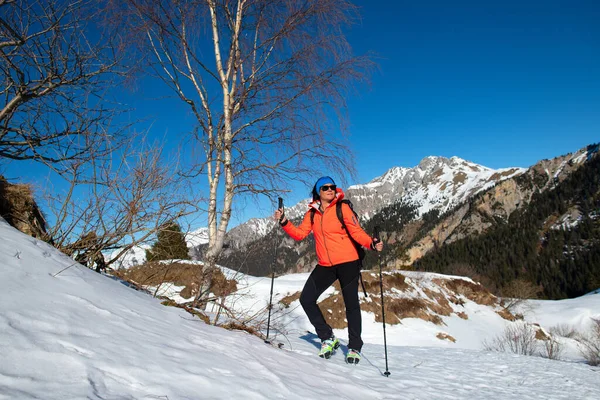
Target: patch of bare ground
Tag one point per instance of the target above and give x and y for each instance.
(390, 280)
(462, 315)
(540, 334)
(460, 177)
(440, 305)
(334, 310)
(497, 176)
(181, 274)
(445, 336)
(289, 299)
(396, 308)
(507, 315)
(472, 291)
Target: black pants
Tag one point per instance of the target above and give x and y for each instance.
(318, 281)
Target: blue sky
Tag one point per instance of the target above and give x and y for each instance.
(498, 83)
(501, 84)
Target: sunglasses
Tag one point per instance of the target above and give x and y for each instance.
(328, 187)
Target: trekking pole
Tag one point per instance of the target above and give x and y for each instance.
(280, 207)
(376, 237)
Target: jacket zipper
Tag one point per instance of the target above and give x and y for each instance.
(324, 241)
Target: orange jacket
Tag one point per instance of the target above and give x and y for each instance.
(331, 240)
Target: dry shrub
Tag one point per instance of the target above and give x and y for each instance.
(517, 292)
(221, 286)
(589, 345)
(552, 349)
(564, 330)
(516, 338)
(193, 311)
(290, 298)
(472, 291)
(445, 336)
(235, 326)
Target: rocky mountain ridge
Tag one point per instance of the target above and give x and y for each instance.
(446, 201)
(436, 183)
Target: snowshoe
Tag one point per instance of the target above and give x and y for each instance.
(353, 357)
(328, 347)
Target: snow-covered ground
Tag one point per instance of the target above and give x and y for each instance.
(80, 335)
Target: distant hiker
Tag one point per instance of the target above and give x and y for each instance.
(338, 259)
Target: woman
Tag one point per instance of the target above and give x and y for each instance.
(338, 260)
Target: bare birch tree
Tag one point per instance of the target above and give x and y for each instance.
(265, 81)
(54, 73)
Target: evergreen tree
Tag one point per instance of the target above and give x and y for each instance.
(170, 244)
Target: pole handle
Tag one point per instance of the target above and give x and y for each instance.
(280, 207)
(376, 231)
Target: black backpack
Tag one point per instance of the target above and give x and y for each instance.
(359, 249)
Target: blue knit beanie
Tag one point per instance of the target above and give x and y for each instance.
(324, 180)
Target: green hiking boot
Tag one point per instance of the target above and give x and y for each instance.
(353, 356)
(328, 347)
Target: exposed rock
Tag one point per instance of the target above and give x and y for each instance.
(20, 210)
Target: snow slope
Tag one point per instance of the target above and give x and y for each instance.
(78, 334)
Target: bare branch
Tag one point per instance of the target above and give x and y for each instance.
(54, 79)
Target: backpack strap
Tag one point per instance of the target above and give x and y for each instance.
(340, 215)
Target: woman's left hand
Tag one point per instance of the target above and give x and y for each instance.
(377, 245)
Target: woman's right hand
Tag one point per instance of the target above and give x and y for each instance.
(279, 216)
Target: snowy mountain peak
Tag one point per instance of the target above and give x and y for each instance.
(435, 183)
(197, 237)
